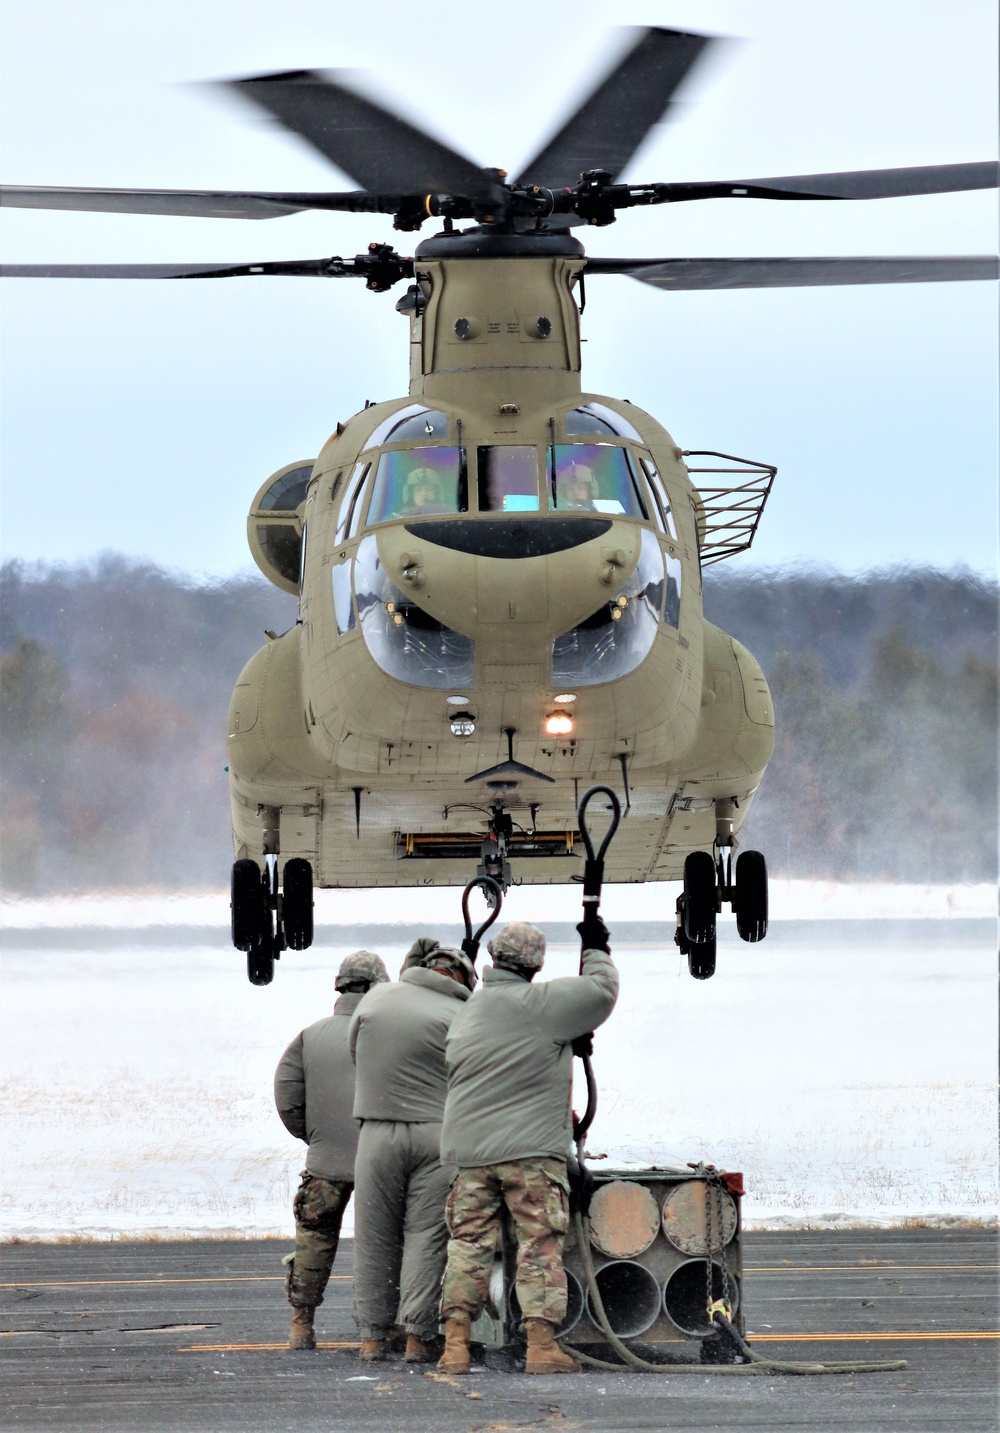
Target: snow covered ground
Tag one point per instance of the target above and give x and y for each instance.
(851, 1082)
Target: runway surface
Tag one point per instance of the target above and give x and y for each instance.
(166, 1337)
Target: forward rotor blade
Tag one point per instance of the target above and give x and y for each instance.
(379, 150)
(615, 118)
(193, 203)
(851, 184)
(318, 268)
(797, 273)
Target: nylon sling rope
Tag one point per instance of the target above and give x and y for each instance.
(717, 1310)
(494, 898)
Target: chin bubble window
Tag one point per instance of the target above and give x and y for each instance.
(508, 479)
(418, 482)
(403, 639)
(594, 477)
(618, 636)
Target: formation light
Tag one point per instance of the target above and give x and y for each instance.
(462, 724)
(559, 724)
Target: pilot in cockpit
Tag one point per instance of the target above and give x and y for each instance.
(577, 489)
(423, 493)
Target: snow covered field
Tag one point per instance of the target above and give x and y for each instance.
(851, 1082)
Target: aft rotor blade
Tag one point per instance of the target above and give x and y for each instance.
(193, 203)
(797, 273)
(851, 184)
(612, 122)
(379, 150)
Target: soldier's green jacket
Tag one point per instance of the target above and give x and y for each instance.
(397, 1037)
(510, 1065)
(314, 1093)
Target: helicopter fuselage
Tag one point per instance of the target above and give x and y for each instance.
(500, 603)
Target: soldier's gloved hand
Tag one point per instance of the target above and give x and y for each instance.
(594, 933)
(584, 1044)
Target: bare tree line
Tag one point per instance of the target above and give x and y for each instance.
(116, 677)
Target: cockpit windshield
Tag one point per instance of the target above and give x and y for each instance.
(417, 482)
(508, 479)
(594, 477)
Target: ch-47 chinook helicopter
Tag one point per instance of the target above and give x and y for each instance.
(499, 574)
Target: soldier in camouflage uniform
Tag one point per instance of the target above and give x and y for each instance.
(314, 1094)
(508, 1126)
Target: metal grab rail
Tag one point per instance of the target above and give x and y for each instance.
(731, 515)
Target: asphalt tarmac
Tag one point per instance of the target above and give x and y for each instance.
(168, 1337)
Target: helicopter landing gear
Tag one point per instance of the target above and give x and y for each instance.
(697, 907)
(707, 884)
(750, 896)
(297, 903)
(264, 922)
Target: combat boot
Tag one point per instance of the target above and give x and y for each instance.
(421, 1350)
(302, 1335)
(373, 1350)
(455, 1359)
(544, 1354)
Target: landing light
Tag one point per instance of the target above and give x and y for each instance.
(559, 724)
(462, 724)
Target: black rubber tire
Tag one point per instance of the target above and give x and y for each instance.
(750, 902)
(701, 959)
(699, 898)
(297, 903)
(260, 961)
(246, 905)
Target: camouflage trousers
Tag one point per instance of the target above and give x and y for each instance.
(536, 1194)
(318, 1207)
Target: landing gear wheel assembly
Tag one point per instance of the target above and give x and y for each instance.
(701, 959)
(248, 904)
(700, 901)
(297, 903)
(750, 895)
(260, 960)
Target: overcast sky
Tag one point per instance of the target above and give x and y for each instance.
(142, 417)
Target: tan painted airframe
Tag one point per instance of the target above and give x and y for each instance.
(333, 759)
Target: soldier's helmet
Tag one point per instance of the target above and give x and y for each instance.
(518, 946)
(363, 967)
(419, 951)
(453, 959)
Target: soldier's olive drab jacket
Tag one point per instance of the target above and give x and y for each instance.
(314, 1092)
(397, 1040)
(510, 1065)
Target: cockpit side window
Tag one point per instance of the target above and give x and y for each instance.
(417, 482)
(594, 477)
(660, 497)
(349, 500)
(508, 479)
